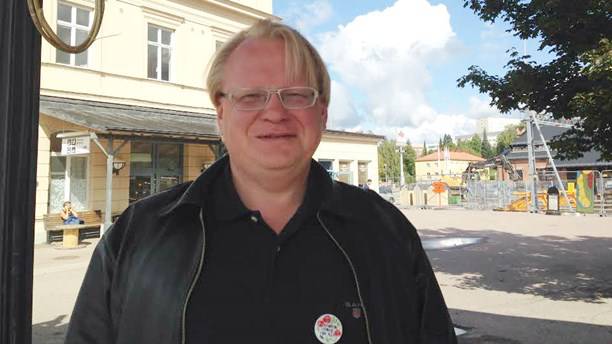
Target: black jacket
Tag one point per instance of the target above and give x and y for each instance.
(142, 271)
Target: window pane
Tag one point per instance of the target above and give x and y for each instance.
(58, 165)
(82, 17)
(81, 59)
(57, 183)
(64, 13)
(152, 62)
(165, 64)
(62, 57)
(64, 33)
(78, 182)
(166, 37)
(141, 158)
(169, 158)
(152, 34)
(81, 36)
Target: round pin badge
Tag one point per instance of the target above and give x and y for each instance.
(328, 329)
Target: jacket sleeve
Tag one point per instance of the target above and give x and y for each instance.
(436, 324)
(91, 321)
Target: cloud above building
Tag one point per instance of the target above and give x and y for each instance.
(384, 56)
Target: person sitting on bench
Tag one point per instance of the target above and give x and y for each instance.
(69, 215)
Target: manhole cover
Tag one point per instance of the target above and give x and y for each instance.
(66, 257)
(446, 243)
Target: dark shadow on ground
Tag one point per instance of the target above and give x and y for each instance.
(500, 329)
(50, 332)
(550, 266)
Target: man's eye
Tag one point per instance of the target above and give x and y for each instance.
(251, 97)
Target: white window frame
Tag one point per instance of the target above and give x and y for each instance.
(67, 177)
(73, 26)
(159, 45)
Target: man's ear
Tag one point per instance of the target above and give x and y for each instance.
(324, 118)
(220, 117)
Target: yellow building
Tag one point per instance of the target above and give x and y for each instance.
(139, 89)
(436, 166)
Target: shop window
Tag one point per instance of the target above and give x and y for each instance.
(154, 167)
(68, 182)
(362, 168)
(345, 174)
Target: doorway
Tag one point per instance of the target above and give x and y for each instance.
(154, 167)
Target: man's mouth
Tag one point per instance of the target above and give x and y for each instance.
(275, 136)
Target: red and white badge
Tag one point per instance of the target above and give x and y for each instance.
(328, 329)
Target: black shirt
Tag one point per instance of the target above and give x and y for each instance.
(260, 287)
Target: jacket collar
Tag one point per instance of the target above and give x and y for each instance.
(195, 194)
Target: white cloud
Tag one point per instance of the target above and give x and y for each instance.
(384, 56)
(306, 16)
(342, 112)
(480, 108)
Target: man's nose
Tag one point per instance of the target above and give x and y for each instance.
(275, 110)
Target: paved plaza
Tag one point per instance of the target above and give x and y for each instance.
(533, 279)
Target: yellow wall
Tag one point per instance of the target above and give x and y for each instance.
(117, 61)
(194, 157)
(453, 167)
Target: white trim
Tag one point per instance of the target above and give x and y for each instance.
(159, 45)
(73, 26)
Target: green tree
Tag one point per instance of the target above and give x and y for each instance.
(409, 160)
(447, 141)
(485, 147)
(471, 146)
(425, 152)
(388, 161)
(505, 138)
(575, 84)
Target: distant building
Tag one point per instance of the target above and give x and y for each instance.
(350, 157)
(434, 166)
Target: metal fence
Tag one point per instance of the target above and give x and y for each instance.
(475, 193)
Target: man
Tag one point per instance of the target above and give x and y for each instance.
(263, 247)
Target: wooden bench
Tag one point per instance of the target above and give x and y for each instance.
(72, 234)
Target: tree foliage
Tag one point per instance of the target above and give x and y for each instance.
(389, 161)
(471, 146)
(425, 152)
(505, 138)
(486, 151)
(576, 84)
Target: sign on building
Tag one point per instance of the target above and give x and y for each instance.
(75, 145)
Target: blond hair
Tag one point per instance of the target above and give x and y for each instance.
(301, 58)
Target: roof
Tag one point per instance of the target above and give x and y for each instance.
(354, 134)
(129, 120)
(589, 159)
(519, 149)
(548, 131)
(454, 155)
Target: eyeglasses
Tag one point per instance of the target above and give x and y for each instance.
(252, 99)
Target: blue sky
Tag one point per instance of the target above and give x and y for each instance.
(394, 64)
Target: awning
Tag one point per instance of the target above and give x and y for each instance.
(130, 121)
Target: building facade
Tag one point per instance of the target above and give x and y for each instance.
(132, 112)
(350, 157)
(442, 166)
(139, 90)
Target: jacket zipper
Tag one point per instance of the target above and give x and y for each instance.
(356, 280)
(195, 279)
